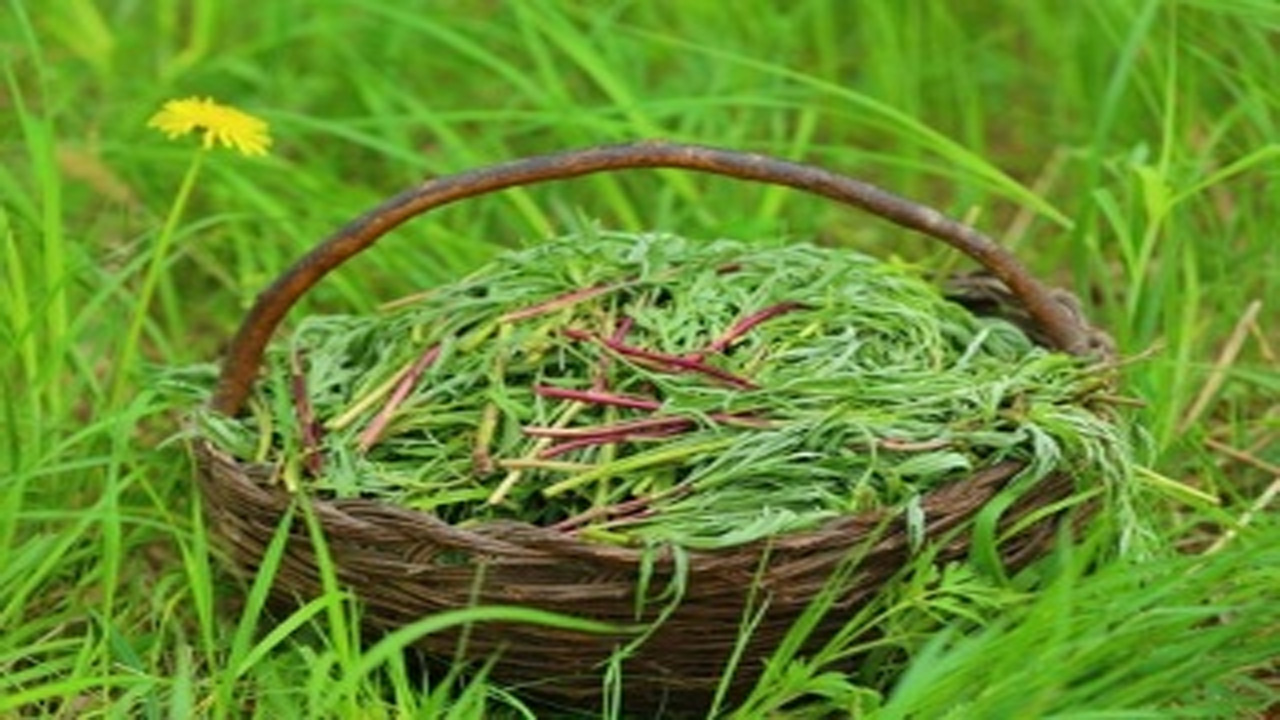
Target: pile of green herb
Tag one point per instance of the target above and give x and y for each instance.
(642, 388)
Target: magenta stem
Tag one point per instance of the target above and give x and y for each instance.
(635, 402)
(558, 302)
(598, 397)
(743, 326)
(677, 361)
(624, 327)
(609, 439)
(311, 430)
(602, 370)
(664, 361)
(380, 421)
(607, 431)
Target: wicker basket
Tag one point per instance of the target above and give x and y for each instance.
(404, 565)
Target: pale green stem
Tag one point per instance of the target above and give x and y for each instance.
(159, 257)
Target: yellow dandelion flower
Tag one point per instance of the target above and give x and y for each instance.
(220, 123)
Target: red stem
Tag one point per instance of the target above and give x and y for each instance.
(635, 402)
(679, 362)
(598, 397)
(606, 431)
(663, 360)
(312, 458)
(619, 334)
(558, 302)
(611, 438)
(743, 326)
(380, 421)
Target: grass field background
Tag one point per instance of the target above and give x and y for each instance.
(1127, 150)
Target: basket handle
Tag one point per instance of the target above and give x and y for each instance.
(244, 355)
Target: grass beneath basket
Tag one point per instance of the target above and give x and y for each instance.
(1126, 150)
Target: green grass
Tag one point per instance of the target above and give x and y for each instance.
(1128, 150)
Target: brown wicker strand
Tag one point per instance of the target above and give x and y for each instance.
(405, 564)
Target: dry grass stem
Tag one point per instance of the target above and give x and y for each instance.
(1227, 358)
(1259, 504)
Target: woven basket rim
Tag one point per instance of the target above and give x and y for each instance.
(978, 290)
(505, 536)
(388, 552)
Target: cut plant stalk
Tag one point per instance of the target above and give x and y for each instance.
(663, 361)
(310, 429)
(743, 326)
(652, 458)
(598, 397)
(608, 431)
(579, 438)
(531, 458)
(560, 302)
(626, 507)
(481, 456)
(616, 368)
(379, 422)
(569, 446)
(601, 381)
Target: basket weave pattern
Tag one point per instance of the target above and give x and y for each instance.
(404, 564)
